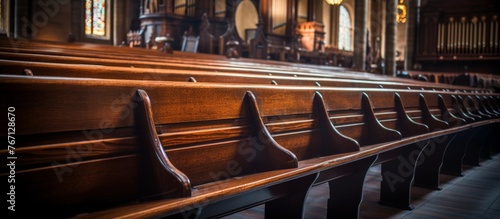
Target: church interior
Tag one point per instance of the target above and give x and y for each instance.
(251, 108)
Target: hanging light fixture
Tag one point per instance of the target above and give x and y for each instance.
(334, 2)
(401, 16)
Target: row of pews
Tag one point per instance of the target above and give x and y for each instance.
(105, 131)
(481, 80)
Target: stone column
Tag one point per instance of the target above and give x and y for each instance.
(375, 25)
(360, 12)
(334, 38)
(121, 23)
(411, 38)
(390, 37)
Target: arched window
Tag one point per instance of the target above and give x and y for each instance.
(96, 18)
(345, 29)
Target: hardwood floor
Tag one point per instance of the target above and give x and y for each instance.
(475, 195)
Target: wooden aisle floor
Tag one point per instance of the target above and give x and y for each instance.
(475, 195)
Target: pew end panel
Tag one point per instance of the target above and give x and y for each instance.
(330, 133)
(378, 133)
(474, 106)
(430, 118)
(391, 109)
(231, 140)
(166, 181)
(448, 112)
(356, 119)
(460, 109)
(77, 145)
(485, 106)
(304, 128)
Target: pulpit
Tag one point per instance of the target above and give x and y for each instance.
(313, 35)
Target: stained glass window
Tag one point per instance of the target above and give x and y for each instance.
(345, 30)
(95, 17)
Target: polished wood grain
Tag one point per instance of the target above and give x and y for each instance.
(199, 75)
(199, 61)
(172, 143)
(178, 107)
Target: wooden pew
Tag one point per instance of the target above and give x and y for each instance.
(459, 144)
(396, 184)
(492, 102)
(425, 109)
(472, 154)
(461, 78)
(453, 160)
(299, 81)
(84, 71)
(327, 83)
(268, 66)
(111, 121)
(338, 182)
(183, 65)
(87, 49)
(109, 72)
(478, 142)
(108, 144)
(287, 81)
(105, 49)
(463, 142)
(163, 60)
(488, 137)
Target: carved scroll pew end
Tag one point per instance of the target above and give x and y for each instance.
(160, 177)
(398, 175)
(452, 160)
(274, 155)
(428, 171)
(395, 188)
(345, 182)
(489, 137)
(477, 142)
(336, 142)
